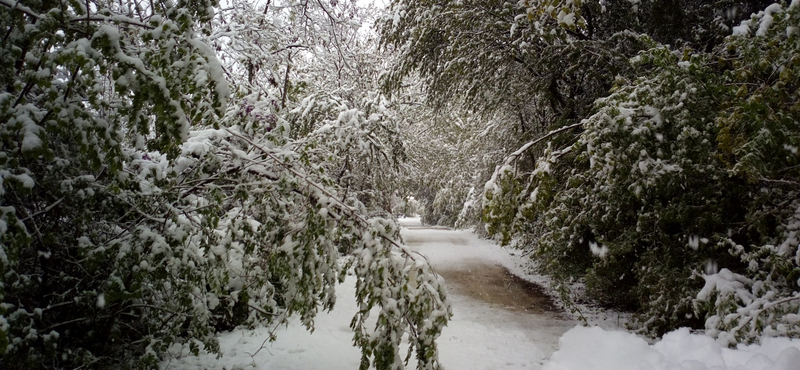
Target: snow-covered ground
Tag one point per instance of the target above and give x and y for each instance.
(483, 335)
(597, 349)
(487, 334)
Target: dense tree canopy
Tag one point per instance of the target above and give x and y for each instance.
(659, 165)
(173, 169)
(170, 170)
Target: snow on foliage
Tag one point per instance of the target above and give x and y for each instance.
(147, 202)
(648, 149)
(680, 152)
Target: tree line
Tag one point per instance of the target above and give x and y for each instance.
(644, 153)
(174, 169)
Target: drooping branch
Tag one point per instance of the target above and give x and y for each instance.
(347, 210)
(513, 156)
(15, 5)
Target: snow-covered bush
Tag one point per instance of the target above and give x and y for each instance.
(758, 139)
(407, 206)
(687, 167)
(143, 205)
(92, 250)
(359, 145)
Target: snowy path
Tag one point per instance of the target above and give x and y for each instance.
(498, 322)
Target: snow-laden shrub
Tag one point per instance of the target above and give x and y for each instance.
(95, 256)
(446, 205)
(142, 206)
(686, 169)
(361, 144)
(407, 206)
(618, 213)
(758, 139)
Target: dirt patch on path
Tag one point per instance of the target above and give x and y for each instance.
(469, 271)
(495, 285)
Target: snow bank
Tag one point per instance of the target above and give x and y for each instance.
(329, 347)
(594, 348)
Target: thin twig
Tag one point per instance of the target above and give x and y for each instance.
(47, 209)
